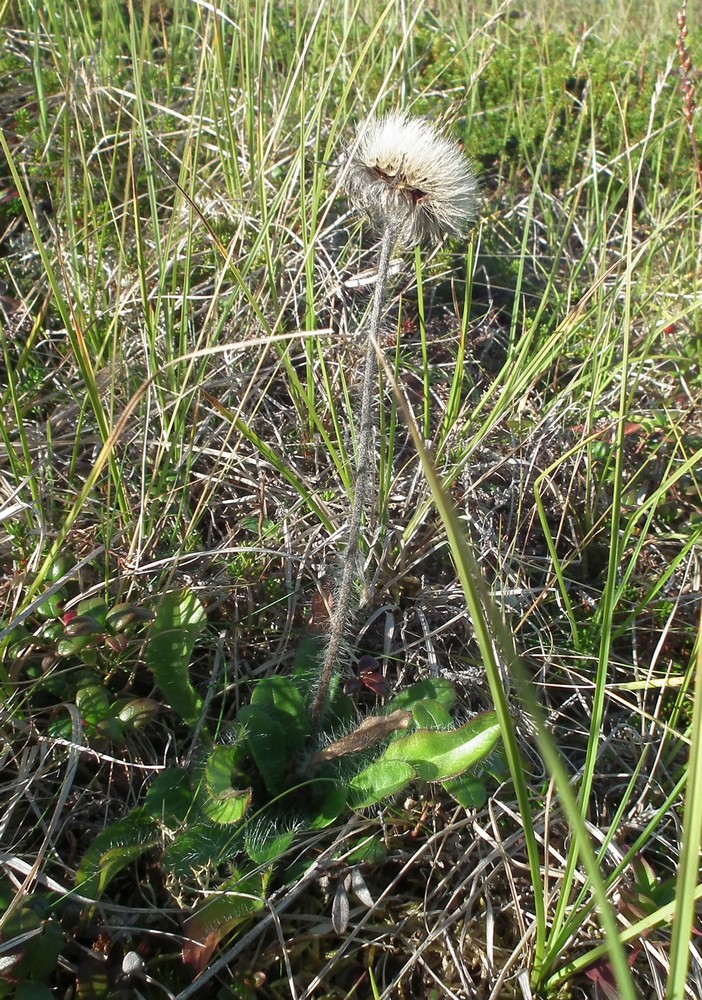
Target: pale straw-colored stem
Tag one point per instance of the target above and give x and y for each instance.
(365, 463)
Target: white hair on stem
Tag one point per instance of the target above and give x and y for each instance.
(415, 184)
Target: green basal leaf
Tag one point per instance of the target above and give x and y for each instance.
(372, 850)
(114, 849)
(202, 843)
(266, 738)
(340, 710)
(170, 798)
(173, 635)
(113, 861)
(378, 781)
(437, 756)
(37, 955)
(431, 714)
(308, 657)
(265, 845)
(432, 689)
(330, 805)
(469, 791)
(222, 802)
(277, 726)
(111, 728)
(220, 767)
(227, 812)
(282, 695)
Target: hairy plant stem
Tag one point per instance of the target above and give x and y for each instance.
(365, 461)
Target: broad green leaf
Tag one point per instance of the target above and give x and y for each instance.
(71, 646)
(496, 766)
(202, 843)
(170, 798)
(221, 801)
(93, 607)
(308, 658)
(51, 607)
(113, 861)
(277, 726)
(469, 791)
(230, 811)
(266, 736)
(330, 805)
(371, 850)
(378, 781)
(340, 710)
(280, 693)
(431, 714)
(61, 727)
(219, 769)
(113, 849)
(431, 689)
(39, 952)
(173, 635)
(265, 845)
(121, 616)
(437, 756)
(20, 640)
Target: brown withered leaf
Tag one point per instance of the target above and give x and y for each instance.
(371, 731)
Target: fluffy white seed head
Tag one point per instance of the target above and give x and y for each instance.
(401, 171)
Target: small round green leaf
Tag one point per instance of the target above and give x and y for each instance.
(93, 704)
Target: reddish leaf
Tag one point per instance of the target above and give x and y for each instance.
(236, 903)
(602, 976)
(368, 671)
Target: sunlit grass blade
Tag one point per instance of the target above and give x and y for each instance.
(688, 887)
